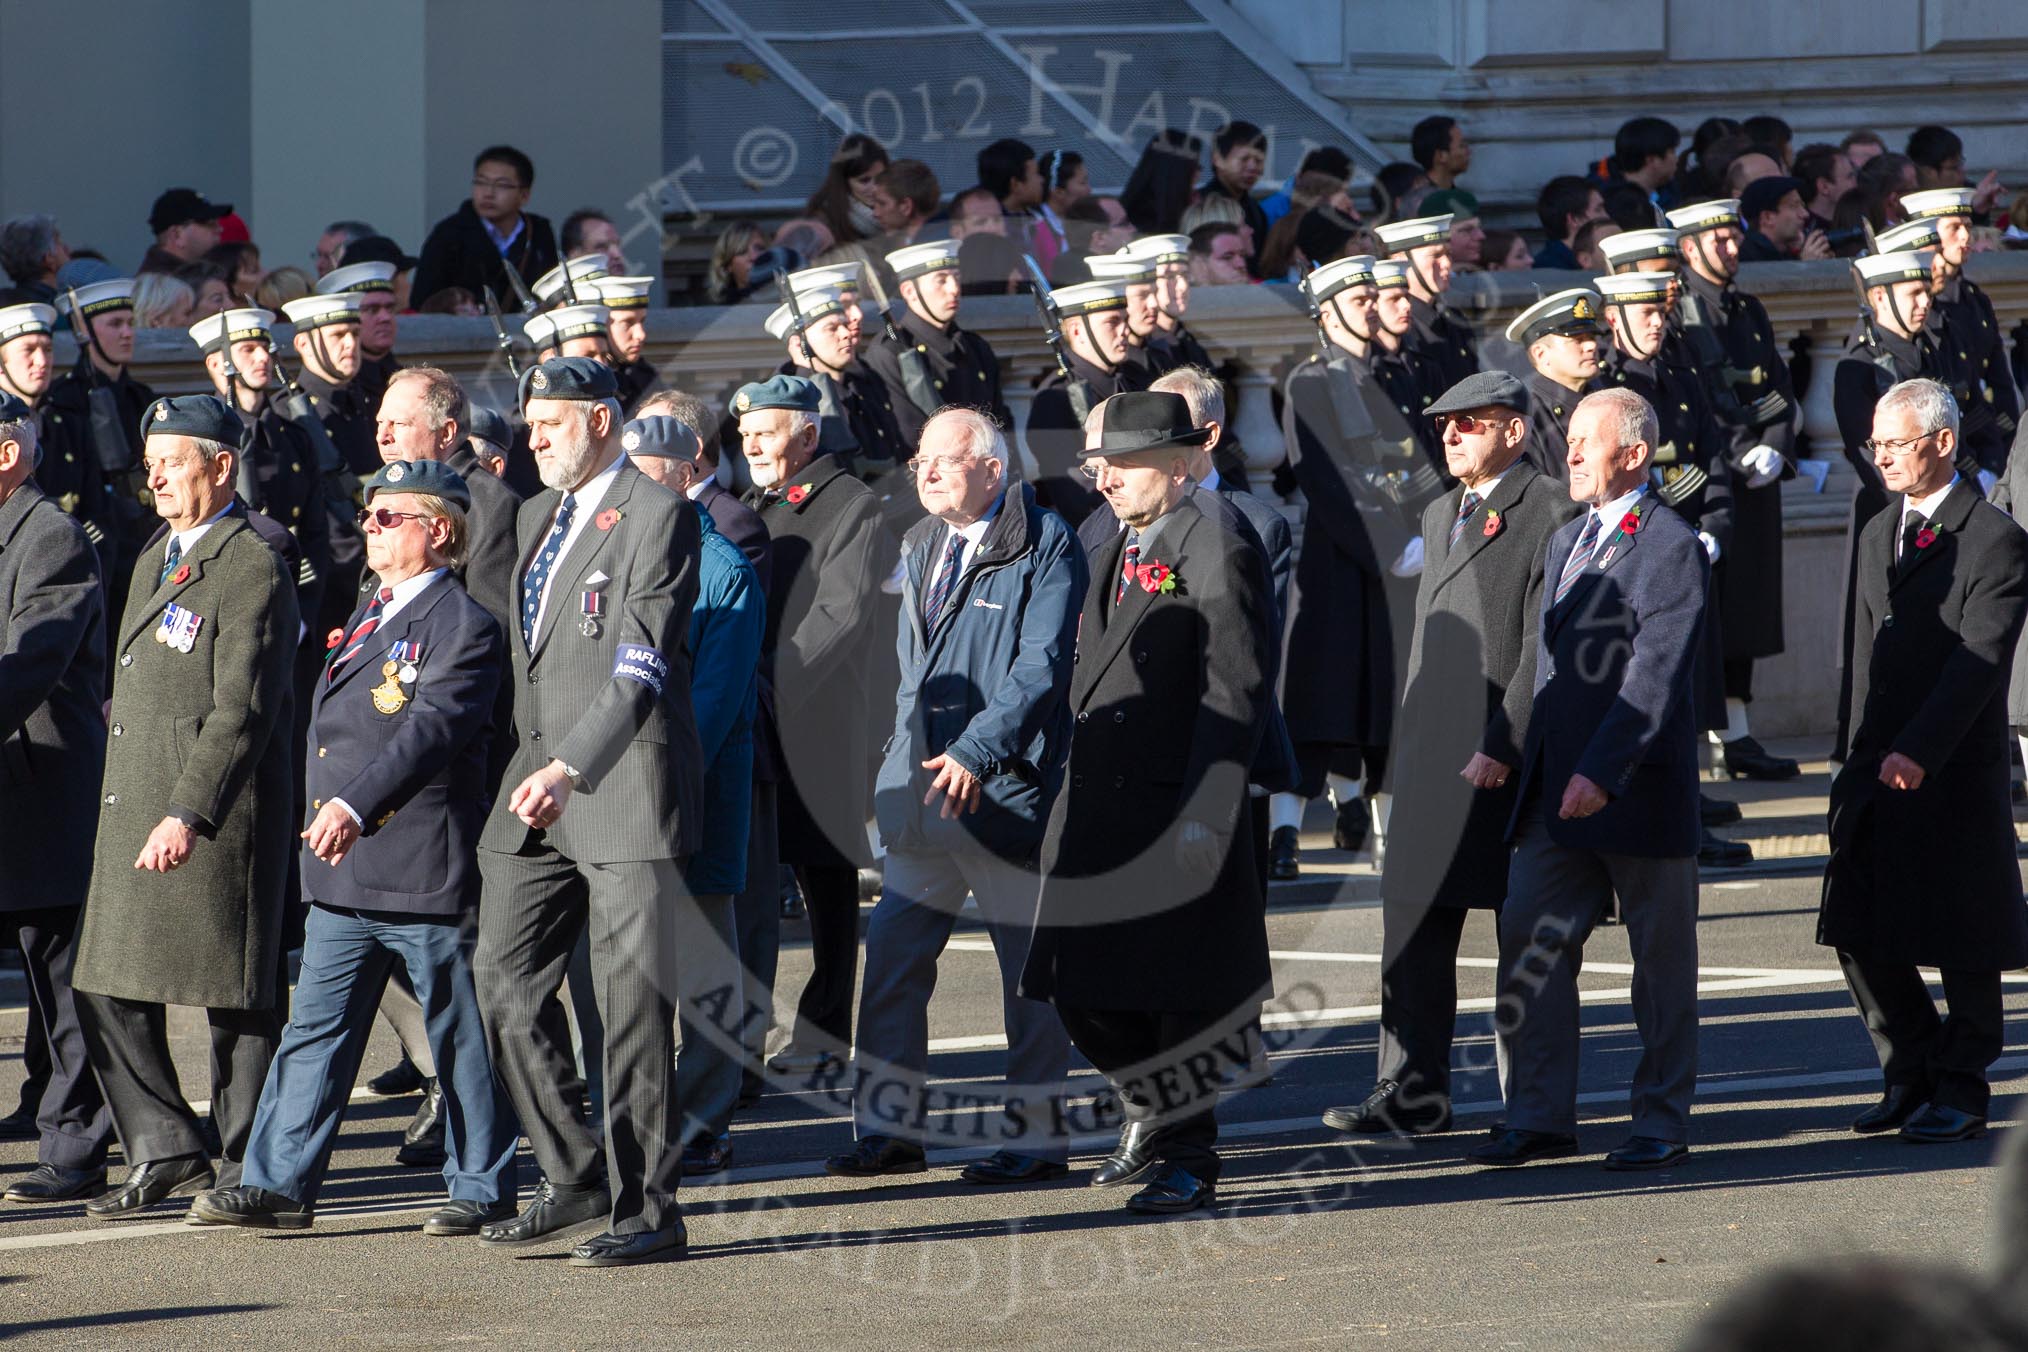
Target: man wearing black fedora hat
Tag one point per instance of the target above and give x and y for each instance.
(1151, 938)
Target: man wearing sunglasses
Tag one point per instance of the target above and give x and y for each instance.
(398, 730)
(1922, 870)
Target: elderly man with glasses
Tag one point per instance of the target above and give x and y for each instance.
(1922, 870)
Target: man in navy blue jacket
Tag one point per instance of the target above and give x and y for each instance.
(397, 790)
(1608, 800)
(981, 731)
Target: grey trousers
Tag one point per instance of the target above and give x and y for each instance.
(1555, 895)
(534, 906)
(920, 898)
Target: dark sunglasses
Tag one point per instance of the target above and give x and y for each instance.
(386, 518)
(1467, 424)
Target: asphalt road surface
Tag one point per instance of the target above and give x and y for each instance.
(1316, 1241)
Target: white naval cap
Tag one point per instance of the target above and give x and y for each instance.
(1885, 269)
(1159, 249)
(917, 259)
(814, 305)
(1085, 298)
(214, 333)
(1698, 216)
(1327, 281)
(1635, 288)
(1573, 311)
(1120, 267)
(357, 277)
(1401, 236)
(1634, 246)
(1935, 202)
(314, 312)
(18, 321)
(623, 293)
(583, 269)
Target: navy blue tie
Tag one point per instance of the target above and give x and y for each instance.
(537, 580)
(944, 583)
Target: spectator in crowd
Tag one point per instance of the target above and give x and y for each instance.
(1848, 221)
(241, 264)
(1007, 169)
(33, 252)
(1238, 156)
(1585, 244)
(1768, 130)
(1221, 211)
(490, 232)
(1860, 145)
(1564, 205)
(976, 211)
(905, 196)
(590, 231)
(1439, 146)
(1163, 182)
(1396, 190)
(1311, 189)
(214, 292)
(1826, 175)
(1644, 153)
(1777, 222)
(1698, 179)
(1091, 233)
(162, 301)
(1883, 179)
(728, 277)
(1064, 180)
(1628, 205)
(1507, 251)
(1939, 157)
(1750, 165)
(1324, 161)
(1218, 256)
(1468, 233)
(185, 225)
(331, 244)
(844, 200)
(989, 265)
(452, 300)
(281, 286)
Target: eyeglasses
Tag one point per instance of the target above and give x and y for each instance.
(1467, 424)
(386, 518)
(942, 464)
(498, 184)
(1905, 446)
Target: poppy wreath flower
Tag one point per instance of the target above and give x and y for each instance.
(607, 519)
(796, 494)
(180, 576)
(1155, 578)
(1492, 525)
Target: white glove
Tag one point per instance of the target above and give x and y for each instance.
(1410, 562)
(1986, 482)
(1710, 544)
(1763, 465)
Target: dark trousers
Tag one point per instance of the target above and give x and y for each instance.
(71, 1113)
(1739, 678)
(347, 957)
(1917, 1046)
(1142, 1054)
(824, 1013)
(1419, 1007)
(1257, 826)
(535, 905)
(129, 1044)
(757, 933)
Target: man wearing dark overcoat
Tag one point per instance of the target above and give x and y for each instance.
(1464, 722)
(1152, 937)
(1922, 870)
(196, 817)
(52, 753)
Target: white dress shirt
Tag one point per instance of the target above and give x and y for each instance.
(1922, 508)
(586, 502)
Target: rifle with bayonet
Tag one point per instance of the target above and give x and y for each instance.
(916, 381)
(1052, 333)
(500, 338)
(522, 295)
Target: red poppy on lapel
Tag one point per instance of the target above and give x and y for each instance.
(796, 494)
(607, 519)
(333, 639)
(1925, 537)
(1492, 527)
(1630, 523)
(1155, 577)
(180, 576)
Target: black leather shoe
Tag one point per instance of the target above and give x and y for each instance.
(610, 1250)
(799, 1061)
(1006, 1166)
(1717, 811)
(1896, 1106)
(398, 1079)
(462, 1217)
(153, 1181)
(422, 1145)
(1354, 820)
(254, 1208)
(1646, 1152)
(549, 1210)
(1746, 758)
(1715, 853)
(1284, 855)
(878, 1155)
(19, 1125)
(1383, 1110)
(792, 897)
(1173, 1189)
(1936, 1124)
(706, 1155)
(1515, 1146)
(1130, 1161)
(52, 1183)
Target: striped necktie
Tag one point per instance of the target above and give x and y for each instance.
(170, 560)
(533, 584)
(1465, 510)
(1128, 562)
(944, 582)
(1580, 557)
(367, 624)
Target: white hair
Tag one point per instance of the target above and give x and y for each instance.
(1630, 418)
(1204, 392)
(798, 420)
(23, 434)
(1931, 404)
(979, 431)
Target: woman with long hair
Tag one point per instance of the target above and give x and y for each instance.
(1064, 180)
(726, 280)
(844, 200)
(1164, 182)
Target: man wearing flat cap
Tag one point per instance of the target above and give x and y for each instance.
(91, 459)
(598, 811)
(1151, 936)
(924, 358)
(397, 783)
(830, 552)
(196, 820)
(1564, 337)
(52, 691)
(1463, 723)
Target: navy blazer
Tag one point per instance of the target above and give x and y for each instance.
(1612, 688)
(417, 776)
